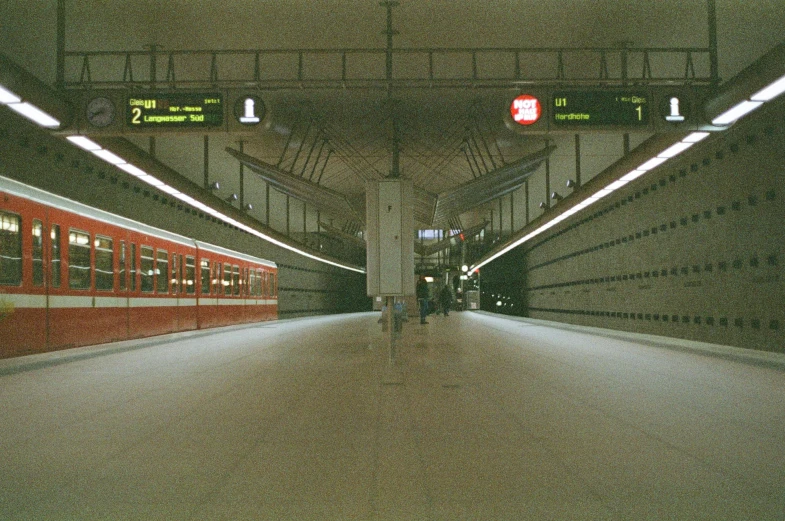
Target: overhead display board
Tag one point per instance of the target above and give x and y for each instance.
(590, 108)
(160, 110)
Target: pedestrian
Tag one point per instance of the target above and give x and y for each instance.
(445, 299)
(423, 293)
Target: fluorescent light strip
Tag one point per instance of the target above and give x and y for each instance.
(696, 137)
(140, 174)
(6, 96)
(770, 92)
(34, 114)
(652, 163)
(109, 157)
(85, 143)
(737, 111)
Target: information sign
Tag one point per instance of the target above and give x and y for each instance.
(600, 108)
(175, 109)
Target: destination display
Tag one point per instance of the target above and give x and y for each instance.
(600, 108)
(175, 109)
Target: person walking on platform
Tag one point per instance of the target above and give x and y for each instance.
(423, 294)
(445, 299)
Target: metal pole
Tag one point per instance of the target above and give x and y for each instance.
(206, 161)
(60, 81)
(242, 179)
(267, 204)
(577, 160)
(547, 178)
(713, 58)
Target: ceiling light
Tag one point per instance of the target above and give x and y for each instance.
(556, 196)
(35, 114)
(736, 112)
(675, 150)
(772, 91)
(83, 142)
(616, 184)
(169, 190)
(695, 137)
(152, 181)
(635, 174)
(6, 96)
(131, 169)
(109, 157)
(652, 163)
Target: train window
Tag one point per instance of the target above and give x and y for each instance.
(78, 259)
(181, 274)
(133, 267)
(190, 275)
(146, 269)
(38, 253)
(227, 279)
(205, 276)
(55, 266)
(104, 263)
(162, 270)
(217, 279)
(122, 265)
(273, 289)
(252, 283)
(10, 250)
(259, 275)
(236, 280)
(175, 278)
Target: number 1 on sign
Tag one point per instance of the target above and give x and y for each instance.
(639, 108)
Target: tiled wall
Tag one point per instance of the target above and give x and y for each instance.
(694, 249)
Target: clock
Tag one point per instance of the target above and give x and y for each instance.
(100, 112)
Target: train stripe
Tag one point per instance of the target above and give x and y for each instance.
(23, 301)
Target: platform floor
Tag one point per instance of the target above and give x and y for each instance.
(476, 417)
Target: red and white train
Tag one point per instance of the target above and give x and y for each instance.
(71, 275)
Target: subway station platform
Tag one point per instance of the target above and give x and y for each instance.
(474, 417)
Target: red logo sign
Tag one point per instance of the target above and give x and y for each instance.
(526, 109)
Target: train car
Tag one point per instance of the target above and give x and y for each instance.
(71, 275)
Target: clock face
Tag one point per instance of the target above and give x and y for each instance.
(100, 112)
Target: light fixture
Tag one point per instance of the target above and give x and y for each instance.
(556, 196)
(85, 143)
(248, 207)
(464, 268)
(215, 185)
(770, 92)
(119, 162)
(571, 183)
(14, 102)
(542, 205)
(231, 198)
(34, 114)
(6, 96)
(737, 111)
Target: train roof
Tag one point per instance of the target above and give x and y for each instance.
(41, 196)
